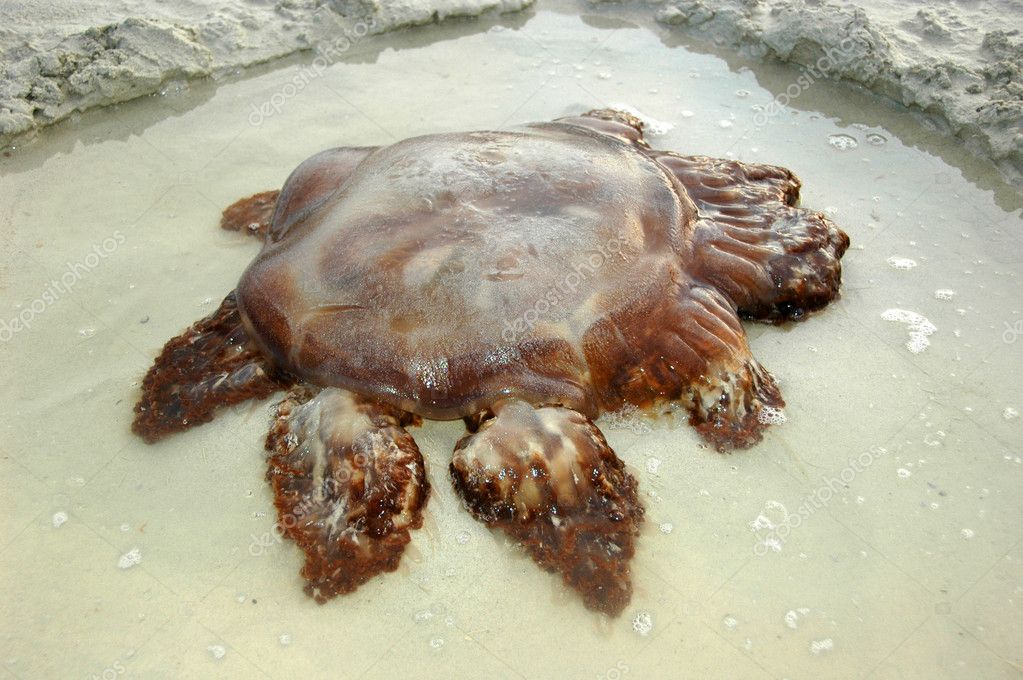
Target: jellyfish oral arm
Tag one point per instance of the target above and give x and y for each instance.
(349, 485)
(547, 477)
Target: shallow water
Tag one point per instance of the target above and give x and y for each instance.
(875, 533)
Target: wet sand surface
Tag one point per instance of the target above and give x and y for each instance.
(875, 533)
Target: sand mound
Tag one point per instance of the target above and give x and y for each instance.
(953, 61)
(58, 58)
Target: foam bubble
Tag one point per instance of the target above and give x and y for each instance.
(130, 559)
(901, 262)
(643, 623)
(818, 647)
(217, 651)
(653, 126)
(59, 518)
(843, 142)
(629, 418)
(919, 328)
(792, 617)
(944, 294)
(769, 415)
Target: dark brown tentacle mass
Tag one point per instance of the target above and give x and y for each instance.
(728, 409)
(212, 364)
(349, 485)
(775, 261)
(547, 477)
(251, 215)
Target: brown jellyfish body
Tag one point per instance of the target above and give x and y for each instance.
(524, 280)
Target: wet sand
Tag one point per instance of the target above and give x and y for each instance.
(875, 533)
